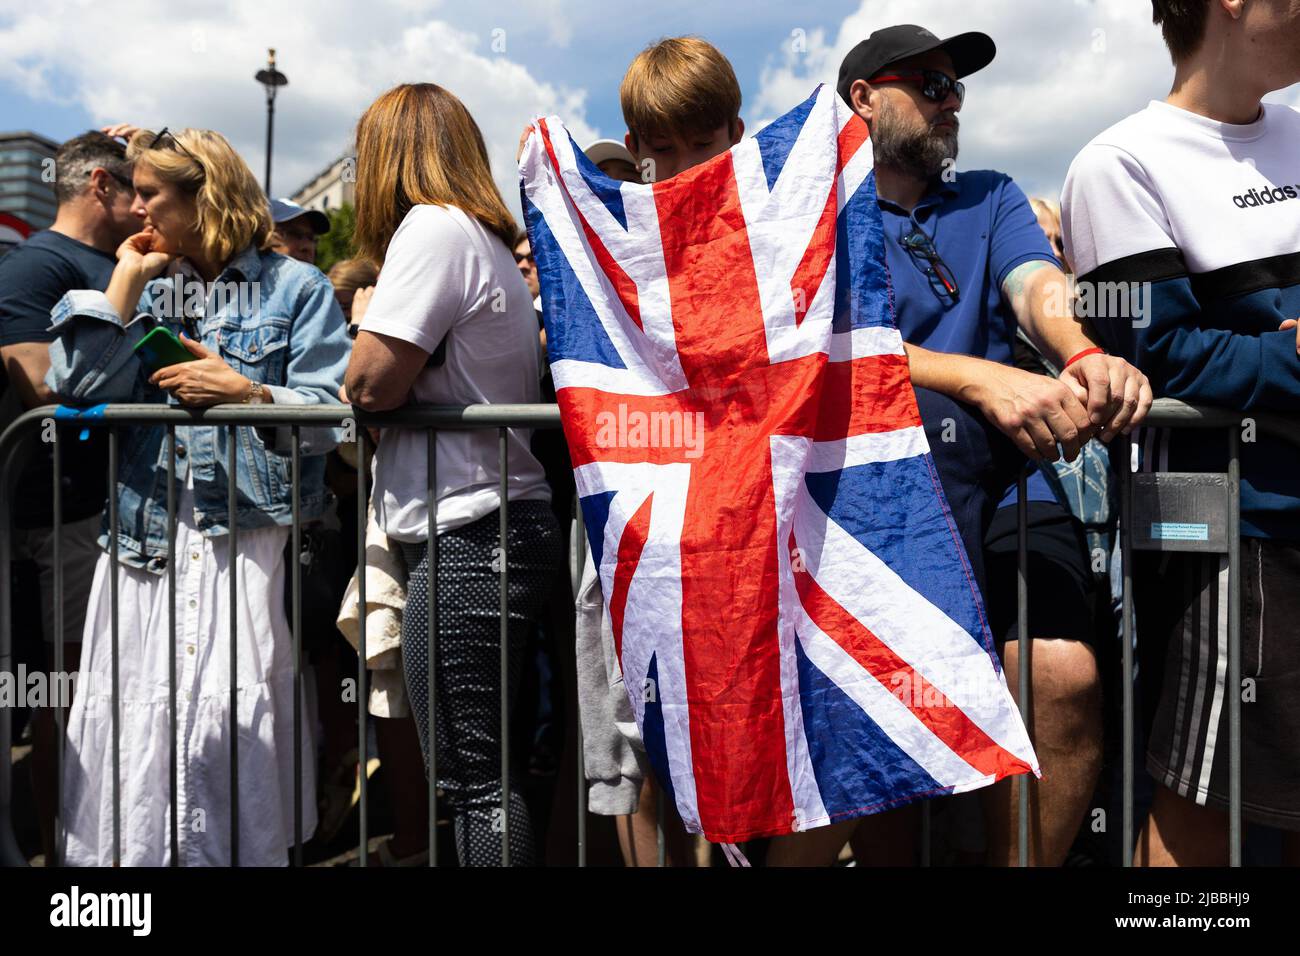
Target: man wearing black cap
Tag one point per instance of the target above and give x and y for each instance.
(969, 264)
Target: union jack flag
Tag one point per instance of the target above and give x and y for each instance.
(798, 629)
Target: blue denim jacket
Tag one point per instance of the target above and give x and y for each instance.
(281, 327)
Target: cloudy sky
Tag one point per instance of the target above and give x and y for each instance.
(1065, 70)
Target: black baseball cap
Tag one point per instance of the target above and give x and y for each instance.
(969, 51)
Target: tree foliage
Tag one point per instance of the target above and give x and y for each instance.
(336, 244)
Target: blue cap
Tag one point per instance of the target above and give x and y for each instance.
(283, 210)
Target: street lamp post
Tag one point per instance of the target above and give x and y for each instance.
(271, 79)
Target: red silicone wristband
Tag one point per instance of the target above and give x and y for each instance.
(1095, 350)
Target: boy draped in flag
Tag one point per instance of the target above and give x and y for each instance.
(746, 295)
(681, 104)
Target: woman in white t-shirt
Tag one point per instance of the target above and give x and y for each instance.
(451, 322)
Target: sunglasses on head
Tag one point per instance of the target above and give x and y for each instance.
(935, 85)
(167, 140)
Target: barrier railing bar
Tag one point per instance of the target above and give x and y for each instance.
(1165, 413)
(173, 785)
(1124, 469)
(577, 558)
(363, 761)
(295, 572)
(504, 613)
(1234, 647)
(431, 616)
(58, 704)
(10, 853)
(113, 646)
(1023, 660)
(232, 545)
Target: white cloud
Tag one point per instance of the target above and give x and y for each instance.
(1064, 72)
(183, 63)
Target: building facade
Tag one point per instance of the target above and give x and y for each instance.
(27, 177)
(331, 188)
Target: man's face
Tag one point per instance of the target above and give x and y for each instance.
(527, 266)
(620, 169)
(296, 239)
(675, 153)
(117, 202)
(1271, 28)
(909, 131)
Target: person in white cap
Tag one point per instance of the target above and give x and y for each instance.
(614, 160)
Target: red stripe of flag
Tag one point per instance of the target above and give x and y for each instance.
(623, 286)
(630, 545)
(851, 138)
(865, 396)
(945, 719)
(730, 646)
(808, 276)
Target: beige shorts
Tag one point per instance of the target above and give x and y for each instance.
(81, 550)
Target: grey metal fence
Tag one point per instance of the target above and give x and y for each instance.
(501, 417)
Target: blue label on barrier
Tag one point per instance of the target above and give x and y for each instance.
(67, 411)
(1179, 531)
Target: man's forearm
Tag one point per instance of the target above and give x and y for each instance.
(957, 376)
(25, 365)
(1039, 294)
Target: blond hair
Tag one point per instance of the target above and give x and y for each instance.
(679, 85)
(417, 144)
(232, 209)
(352, 274)
(1049, 206)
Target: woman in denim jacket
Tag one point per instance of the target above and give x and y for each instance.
(263, 329)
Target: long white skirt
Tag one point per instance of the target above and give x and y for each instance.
(265, 695)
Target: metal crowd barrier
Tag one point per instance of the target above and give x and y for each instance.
(501, 417)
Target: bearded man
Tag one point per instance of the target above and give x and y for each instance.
(969, 265)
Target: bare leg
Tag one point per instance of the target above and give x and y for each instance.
(1179, 832)
(638, 833)
(1065, 724)
(817, 847)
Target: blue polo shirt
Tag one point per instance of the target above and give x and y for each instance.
(982, 227)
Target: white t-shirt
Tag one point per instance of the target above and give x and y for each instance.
(1196, 224)
(446, 278)
(1222, 195)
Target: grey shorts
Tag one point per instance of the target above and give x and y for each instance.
(1182, 616)
(80, 547)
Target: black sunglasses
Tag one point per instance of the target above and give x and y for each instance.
(941, 277)
(174, 143)
(935, 85)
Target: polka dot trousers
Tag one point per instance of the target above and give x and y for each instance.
(467, 677)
